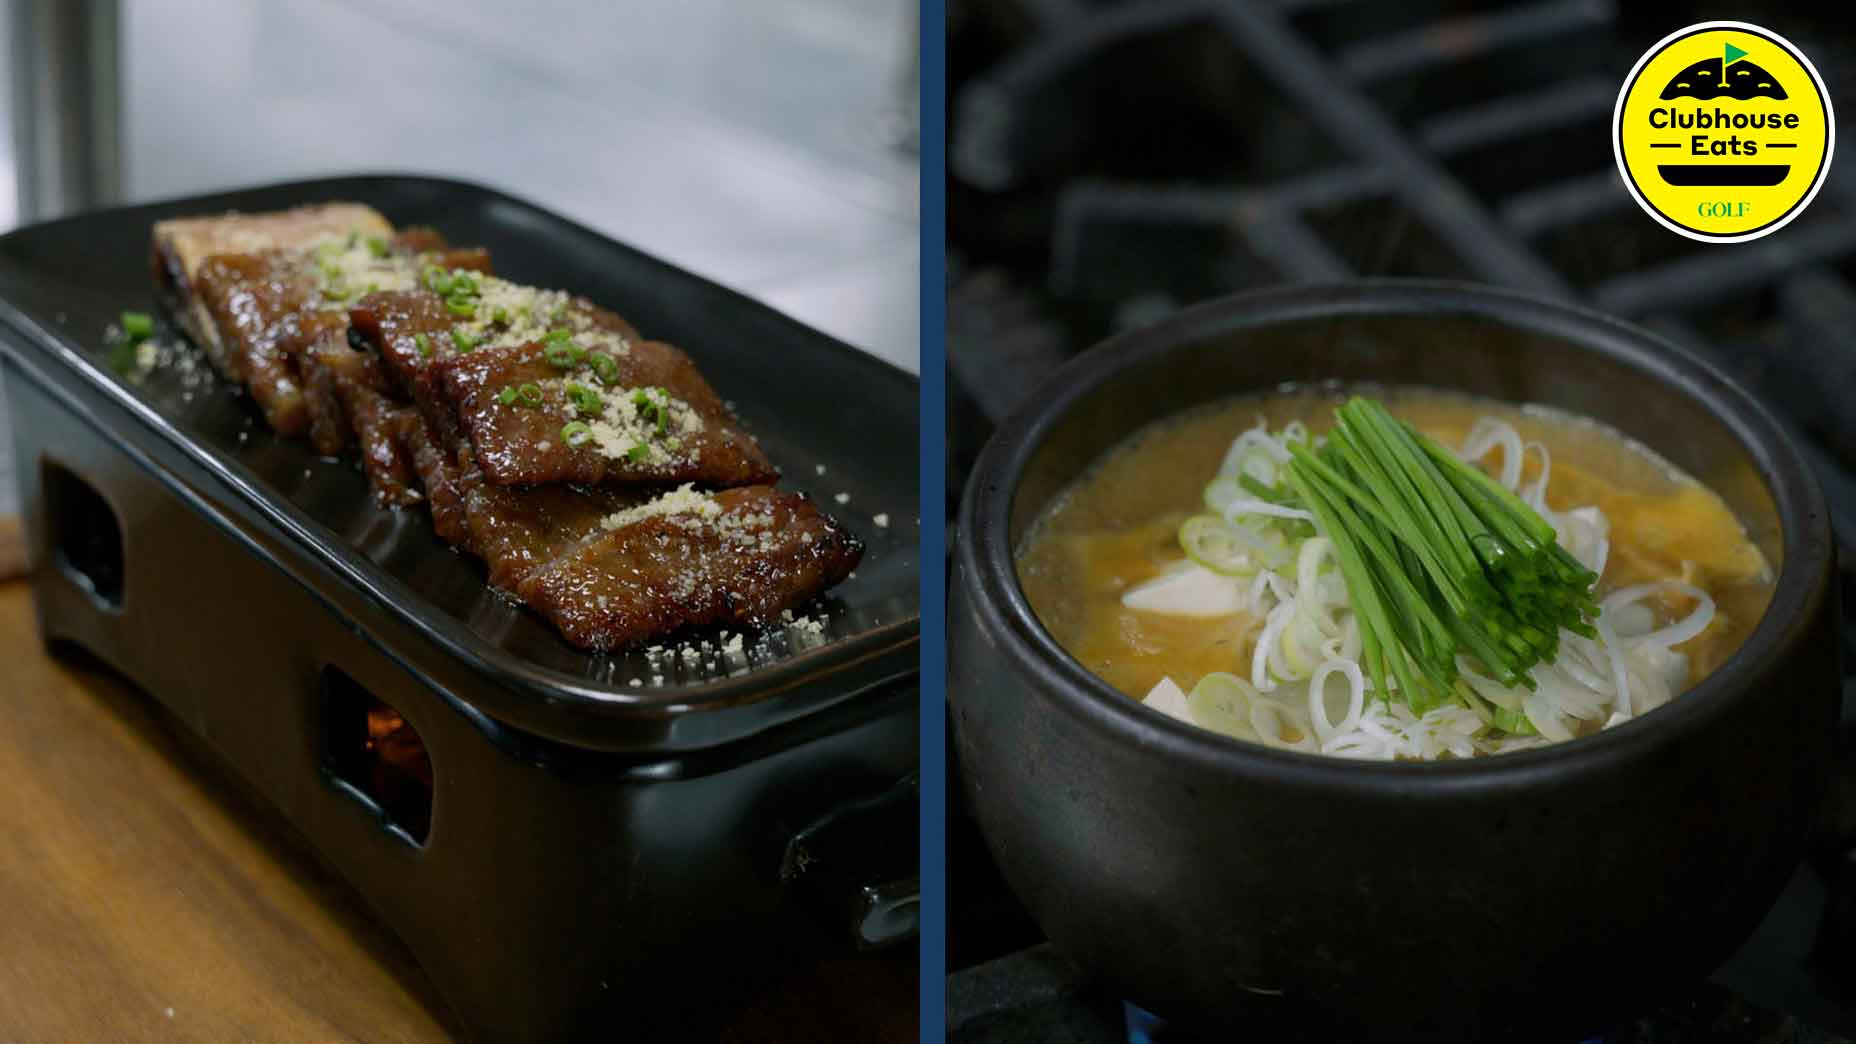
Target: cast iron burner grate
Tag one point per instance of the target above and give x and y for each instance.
(1111, 161)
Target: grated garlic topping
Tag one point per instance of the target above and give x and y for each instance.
(748, 532)
(684, 500)
(506, 313)
(497, 312)
(349, 267)
(627, 421)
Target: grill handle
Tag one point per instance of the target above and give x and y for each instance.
(857, 866)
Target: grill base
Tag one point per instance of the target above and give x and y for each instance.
(559, 891)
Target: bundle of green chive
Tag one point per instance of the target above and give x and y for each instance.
(1439, 559)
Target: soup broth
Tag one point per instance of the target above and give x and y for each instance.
(1117, 527)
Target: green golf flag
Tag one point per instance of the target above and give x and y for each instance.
(1734, 54)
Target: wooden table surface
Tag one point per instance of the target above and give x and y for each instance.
(146, 896)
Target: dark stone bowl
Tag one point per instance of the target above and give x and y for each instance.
(1235, 888)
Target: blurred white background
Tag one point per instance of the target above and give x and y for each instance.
(764, 144)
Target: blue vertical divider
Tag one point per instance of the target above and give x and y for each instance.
(934, 519)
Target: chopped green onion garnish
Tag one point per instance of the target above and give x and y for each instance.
(507, 396)
(377, 246)
(436, 280)
(423, 343)
(1214, 543)
(575, 432)
(138, 326)
(461, 306)
(123, 359)
(501, 316)
(604, 368)
(564, 355)
(464, 341)
(557, 335)
(585, 399)
(1221, 702)
(654, 406)
(529, 393)
(338, 292)
(638, 453)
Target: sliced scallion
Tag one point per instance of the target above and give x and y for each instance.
(138, 326)
(1207, 540)
(604, 367)
(1221, 702)
(653, 403)
(585, 399)
(564, 355)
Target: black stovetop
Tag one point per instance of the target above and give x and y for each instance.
(1111, 162)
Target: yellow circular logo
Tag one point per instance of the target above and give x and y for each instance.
(1723, 132)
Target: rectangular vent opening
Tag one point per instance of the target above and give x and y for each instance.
(86, 536)
(369, 745)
